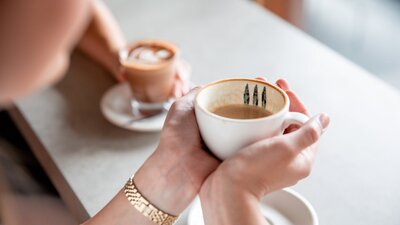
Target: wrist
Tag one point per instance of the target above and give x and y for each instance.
(161, 182)
(224, 202)
(220, 187)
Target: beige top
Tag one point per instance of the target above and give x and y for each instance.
(356, 174)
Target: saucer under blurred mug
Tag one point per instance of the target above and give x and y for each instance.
(234, 113)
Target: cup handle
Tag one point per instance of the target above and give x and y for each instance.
(294, 118)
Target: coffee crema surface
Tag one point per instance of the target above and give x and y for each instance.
(241, 111)
(149, 54)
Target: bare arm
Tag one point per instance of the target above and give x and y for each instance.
(224, 203)
(103, 38)
(172, 176)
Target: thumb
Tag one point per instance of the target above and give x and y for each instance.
(188, 98)
(309, 133)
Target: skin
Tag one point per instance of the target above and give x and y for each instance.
(261, 168)
(179, 169)
(184, 170)
(103, 39)
(29, 59)
(181, 166)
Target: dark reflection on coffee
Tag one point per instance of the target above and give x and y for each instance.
(241, 111)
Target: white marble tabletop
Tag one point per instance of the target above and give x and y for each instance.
(356, 178)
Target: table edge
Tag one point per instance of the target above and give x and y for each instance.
(53, 172)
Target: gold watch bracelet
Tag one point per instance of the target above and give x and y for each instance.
(145, 207)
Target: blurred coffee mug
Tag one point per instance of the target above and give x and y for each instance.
(150, 69)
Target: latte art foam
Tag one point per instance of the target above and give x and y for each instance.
(150, 69)
(148, 54)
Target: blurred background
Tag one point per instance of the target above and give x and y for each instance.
(365, 31)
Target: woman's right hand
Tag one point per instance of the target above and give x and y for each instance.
(231, 194)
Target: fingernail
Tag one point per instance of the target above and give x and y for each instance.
(261, 78)
(324, 121)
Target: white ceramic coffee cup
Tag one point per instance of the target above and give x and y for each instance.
(225, 136)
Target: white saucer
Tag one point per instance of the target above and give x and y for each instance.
(284, 207)
(116, 108)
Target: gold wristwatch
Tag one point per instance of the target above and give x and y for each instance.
(143, 206)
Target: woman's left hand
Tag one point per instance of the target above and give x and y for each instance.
(172, 176)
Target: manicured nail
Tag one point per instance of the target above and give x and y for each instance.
(324, 121)
(283, 84)
(261, 78)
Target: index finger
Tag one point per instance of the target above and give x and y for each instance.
(296, 105)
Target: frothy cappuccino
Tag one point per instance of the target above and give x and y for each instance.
(149, 54)
(150, 67)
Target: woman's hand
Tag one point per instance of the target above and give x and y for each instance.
(182, 79)
(172, 176)
(103, 38)
(231, 194)
(174, 173)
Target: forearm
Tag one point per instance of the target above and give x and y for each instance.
(159, 181)
(172, 176)
(224, 203)
(103, 38)
(119, 211)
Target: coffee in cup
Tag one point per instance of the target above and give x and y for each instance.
(150, 68)
(233, 113)
(241, 111)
